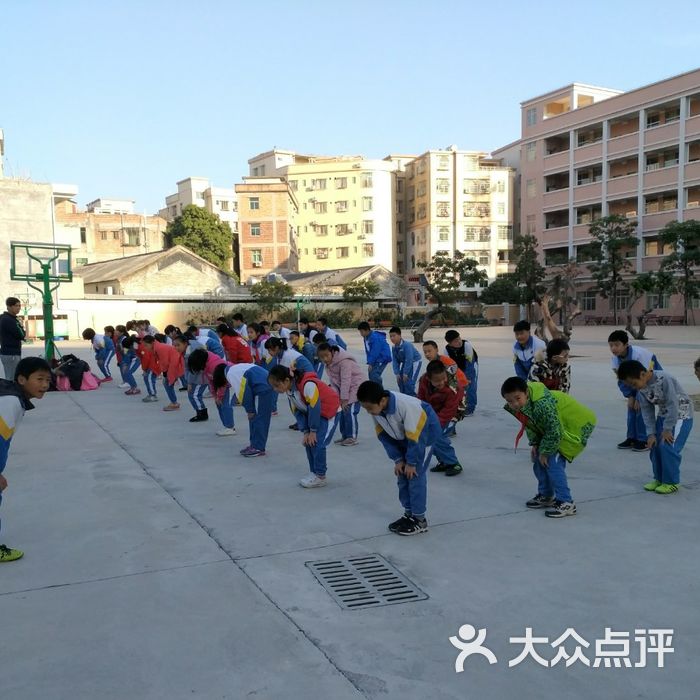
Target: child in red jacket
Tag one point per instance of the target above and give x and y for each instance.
(445, 399)
(236, 348)
(151, 369)
(172, 365)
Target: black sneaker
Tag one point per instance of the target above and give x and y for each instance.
(439, 467)
(540, 501)
(561, 510)
(639, 446)
(626, 444)
(294, 426)
(182, 388)
(453, 470)
(412, 526)
(394, 527)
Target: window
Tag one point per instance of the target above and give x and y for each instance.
(343, 229)
(256, 257)
(83, 234)
(254, 203)
(115, 235)
(501, 208)
(132, 236)
(484, 234)
(587, 252)
(531, 225)
(224, 205)
(341, 183)
(470, 233)
(367, 250)
(587, 300)
(443, 163)
(623, 300)
(399, 248)
(476, 186)
(399, 186)
(366, 180)
(321, 253)
(484, 257)
(321, 229)
(81, 261)
(367, 204)
(505, 233)
(531, 151)
(294, 185)
(531, 116)
(443, 209)
(442, 185)
(422, 211)
(475, 209)
(321, 207)
(421, 189)
(368, 226)
(341, 206)
(255, 229)
(199, 195)
(501, 186)
(656, 301)
(443, 233)
(399, 207)
(318, 184)
(530, 189)
(103, 235)
(343, 252)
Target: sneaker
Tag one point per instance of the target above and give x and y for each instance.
(540, 501)
(133, 392)
(639, 446)
(124, 385)
(652, 485)
(105, 380)
(294, 426)
(312, 482)
(149, 399)
(439, 467)
(172, 407)
(338, 441)
(394, 527)
(225, 432)
(626, 444)
(665, 489)
(245, 449)
(252, 452)
(182, 388)
(7, 554)
(453, 470)
(349, 442)
(412, 526)
(275, 413)
(561, 510)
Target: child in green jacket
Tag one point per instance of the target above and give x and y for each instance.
(558, 428)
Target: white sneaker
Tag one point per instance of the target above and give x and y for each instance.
(225, 432)
(312, 482)
(124, 385)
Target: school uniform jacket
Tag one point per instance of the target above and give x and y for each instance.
(377, 349)
(405, 428)
(312, 399)
(247, 381)
(149, 360)
(406, 360)
(236, 348)
(445, 402)
(171, 362)
(635, 352)
(523, 357)
(13, 404)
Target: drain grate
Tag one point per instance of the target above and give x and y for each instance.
(363, 582)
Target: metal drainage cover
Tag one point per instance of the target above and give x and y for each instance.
(363, 582)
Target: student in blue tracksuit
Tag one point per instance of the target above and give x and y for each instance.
(619, 343)
(332, 337)
(250, 389)
(377, 351)
(31, 381)
(406, 362)
(103, 346)
(130, 363)
(409, 430)
(208, 339)
(525, 348)
(466, 358)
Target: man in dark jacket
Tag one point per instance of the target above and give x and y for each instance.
(11, 336)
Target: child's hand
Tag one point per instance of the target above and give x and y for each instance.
(544, 460)
(651, 441)
(251, 416)
(3, 483)
(533, 453)
(636, 406)
(311, 440)
(344, 404)
(410, 471)
(630, 403)
(667, 437)
(398, 468)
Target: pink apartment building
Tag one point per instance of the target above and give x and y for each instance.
(588, 152)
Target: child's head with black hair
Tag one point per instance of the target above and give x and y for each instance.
(325, 352)
(255, 330)
(634, 374)
(318, 339)
(514, 391)
(395, 335)
(33, 375)
(364, 328)
(558, 351)
(193, 331)
(430, 350)
(89, 334)
(181, 343)
(172, 331)
(522, 331)
(121, 330)
(294, 337)
(618, 342)
(223, 329)
(280, 379)
(437, 374)
(197, 360)
(128, 342)
(109, 330)
(373, 397)
(275, 346)
(160, 337)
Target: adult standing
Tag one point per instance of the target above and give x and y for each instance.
(11, 336)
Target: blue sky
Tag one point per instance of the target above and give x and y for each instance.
(124, 99)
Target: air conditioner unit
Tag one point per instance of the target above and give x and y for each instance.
(257, 264)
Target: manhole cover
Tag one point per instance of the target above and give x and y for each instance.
(363, 582)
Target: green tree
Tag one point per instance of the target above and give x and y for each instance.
(654, 284)
(561, 297)
(446, 278)
(613, 238)
(271, 295)
(503, 290)
(684, 261)
(203, 233)
(529, 272)
(360, 291)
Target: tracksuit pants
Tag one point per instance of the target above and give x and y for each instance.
(665, 458)
(348, 420)
(103, 358)
(473, 377)
(128, 368)
(260, 423)
(149, 379)
(170, 389)
(195, 393)
(375, 374)
(317, 454)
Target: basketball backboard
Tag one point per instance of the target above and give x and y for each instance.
(28, 259)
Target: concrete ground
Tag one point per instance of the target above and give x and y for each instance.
(159, 564)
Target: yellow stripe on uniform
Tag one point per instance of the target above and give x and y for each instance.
(313, 399)
(415, 434)
(5, 431)
(241, 391)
